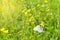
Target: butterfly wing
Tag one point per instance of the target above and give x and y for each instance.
(38, 28)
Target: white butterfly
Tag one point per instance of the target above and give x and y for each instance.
(38, 28)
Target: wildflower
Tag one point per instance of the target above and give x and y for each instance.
(42, 24)
(2, 29)
(45, 1)
(5, 31)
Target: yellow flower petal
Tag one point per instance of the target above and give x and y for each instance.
(42, 24)
(2, 29)
(5, 31)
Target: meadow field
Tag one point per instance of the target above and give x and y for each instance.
(19, 17)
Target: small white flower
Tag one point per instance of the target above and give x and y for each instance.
(38, 28)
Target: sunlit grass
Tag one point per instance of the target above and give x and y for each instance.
(19, 17)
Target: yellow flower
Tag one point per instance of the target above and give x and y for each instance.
(42, 24)
(2, 29)
(5, 31)
(45, 1)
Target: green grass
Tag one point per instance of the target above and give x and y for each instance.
(19, 17)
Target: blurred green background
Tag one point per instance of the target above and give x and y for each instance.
(19, 17)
